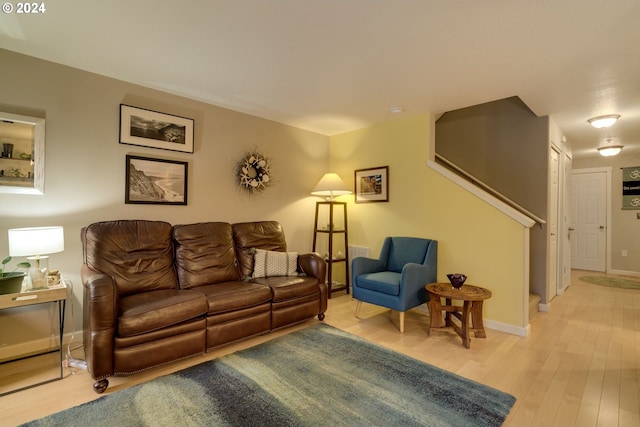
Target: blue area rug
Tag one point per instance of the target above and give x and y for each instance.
(319, 376)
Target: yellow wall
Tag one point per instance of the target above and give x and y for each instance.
(473, 237)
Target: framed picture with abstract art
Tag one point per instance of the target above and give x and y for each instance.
(372, 185)
(148, 128)
(155, 181)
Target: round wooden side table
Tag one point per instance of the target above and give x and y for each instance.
(472, 298)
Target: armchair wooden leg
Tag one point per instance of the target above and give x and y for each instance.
(358, 305)
(401, 321)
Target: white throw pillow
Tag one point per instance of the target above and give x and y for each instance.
(272, 263)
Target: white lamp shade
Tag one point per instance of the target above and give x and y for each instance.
(330, 185)
(35, 241)
(610, 150)
(604, 121)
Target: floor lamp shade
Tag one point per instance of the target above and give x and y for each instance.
(330, 185)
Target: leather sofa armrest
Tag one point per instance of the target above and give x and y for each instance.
(100, 310)
(313, 265)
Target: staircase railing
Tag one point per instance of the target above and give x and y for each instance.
(485, 187)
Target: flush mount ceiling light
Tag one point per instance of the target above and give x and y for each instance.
(603, 121)
(397, 110)
(609, 150)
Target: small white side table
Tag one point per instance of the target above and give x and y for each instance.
(55, 294)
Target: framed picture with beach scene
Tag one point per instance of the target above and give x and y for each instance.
(372, 185)
(148, 128)
(155, 181)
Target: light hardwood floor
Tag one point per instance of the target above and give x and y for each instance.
(580, 366)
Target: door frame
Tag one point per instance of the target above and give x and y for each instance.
(564, 251)
(607, 170)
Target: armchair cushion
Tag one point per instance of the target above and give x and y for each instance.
(404, 250)
(387, 282)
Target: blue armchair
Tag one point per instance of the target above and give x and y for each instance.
(396, 280)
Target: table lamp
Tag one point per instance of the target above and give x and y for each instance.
(36, 243)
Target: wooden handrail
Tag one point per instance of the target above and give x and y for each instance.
(485, 187)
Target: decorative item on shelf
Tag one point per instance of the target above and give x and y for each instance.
(253, 172)
(11, 282)
(34, 243)
(53, 277)
(7, 150)
(457, 280)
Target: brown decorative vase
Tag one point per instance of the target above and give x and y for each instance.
(457, 280)
(11, 283)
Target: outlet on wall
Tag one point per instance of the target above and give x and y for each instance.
(624, 252)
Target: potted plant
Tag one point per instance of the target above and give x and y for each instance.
(11, 283)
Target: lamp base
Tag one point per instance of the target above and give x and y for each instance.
(37, 259)
(38, 277)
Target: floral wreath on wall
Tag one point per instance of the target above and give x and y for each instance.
(253, 172)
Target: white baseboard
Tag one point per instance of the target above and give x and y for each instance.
(544, 308)
(492, 324)
(509, 329)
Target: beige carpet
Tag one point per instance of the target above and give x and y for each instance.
(614, 282)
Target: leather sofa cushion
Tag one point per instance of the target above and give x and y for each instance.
(267, 235)
(285, 288)
(205, 254)
(151, 311)
(137, 254)
(231, 296)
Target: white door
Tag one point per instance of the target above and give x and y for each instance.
(554, 174)
(589, 220)
(565, 233)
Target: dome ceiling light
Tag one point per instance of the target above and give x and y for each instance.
(609, 149)
(603, 121)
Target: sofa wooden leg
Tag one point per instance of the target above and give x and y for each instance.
(358, 305)
(321, 316)
(402, 321)
(101, 385)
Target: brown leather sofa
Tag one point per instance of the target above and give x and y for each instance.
(155, 293)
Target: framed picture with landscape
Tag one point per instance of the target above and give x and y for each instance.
(148, 128)
(372, 185)
(155, 181)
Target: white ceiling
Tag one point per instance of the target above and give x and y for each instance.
(331, 66)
